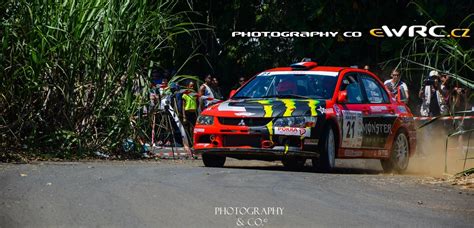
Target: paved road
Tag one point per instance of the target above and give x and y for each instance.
(185, 194)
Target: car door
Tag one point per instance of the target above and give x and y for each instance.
(354, 110)
(378, 122)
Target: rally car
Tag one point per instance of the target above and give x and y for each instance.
(306, 111)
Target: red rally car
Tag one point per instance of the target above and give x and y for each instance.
(307, 111)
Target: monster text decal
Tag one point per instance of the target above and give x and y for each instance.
(376, 131)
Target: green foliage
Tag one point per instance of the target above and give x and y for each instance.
(75, 73)
(466, 172)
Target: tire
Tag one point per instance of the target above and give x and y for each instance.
(293, 163)
(327, 147)
(399, 155)
(211, 160)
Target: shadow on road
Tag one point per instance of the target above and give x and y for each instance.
(307, 169)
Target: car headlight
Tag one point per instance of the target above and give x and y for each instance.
(205, 120)
(298, 121)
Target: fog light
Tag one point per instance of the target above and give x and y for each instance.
(267, 144)
(212, 137)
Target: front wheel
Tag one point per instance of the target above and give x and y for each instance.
(211, 160)
(327, 148)
(399, 156)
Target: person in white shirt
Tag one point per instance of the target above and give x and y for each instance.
(397, 87)
(206, 94)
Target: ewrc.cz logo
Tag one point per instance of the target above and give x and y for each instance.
(419, 30)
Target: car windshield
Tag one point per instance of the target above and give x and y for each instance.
(291, 84)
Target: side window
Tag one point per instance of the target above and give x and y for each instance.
(351, 84)
(375, 93)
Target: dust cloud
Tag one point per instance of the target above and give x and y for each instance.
(431, 157)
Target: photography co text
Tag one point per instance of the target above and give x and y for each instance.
(437, 31)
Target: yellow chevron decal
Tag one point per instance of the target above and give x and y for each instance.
(270, 130)
(267, 107)
(290, 106)
(312, 106)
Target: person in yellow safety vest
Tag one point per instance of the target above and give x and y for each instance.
(189, 107)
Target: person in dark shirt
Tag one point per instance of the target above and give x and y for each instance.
(217, 90)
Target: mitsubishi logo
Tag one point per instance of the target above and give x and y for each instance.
(242, 122)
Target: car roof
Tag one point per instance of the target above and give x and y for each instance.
(317, 68)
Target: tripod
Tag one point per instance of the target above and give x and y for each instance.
(169, 127)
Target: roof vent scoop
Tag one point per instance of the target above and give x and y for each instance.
(305, 64)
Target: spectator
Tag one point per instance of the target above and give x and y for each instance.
(445, 90)
(397, 88)
(434, 103)
(217, 90)
(459, 99)
(205, 93)
(239, 84)
(189, 108)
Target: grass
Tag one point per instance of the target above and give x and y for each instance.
(75, 73)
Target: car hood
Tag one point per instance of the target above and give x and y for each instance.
(267, 108)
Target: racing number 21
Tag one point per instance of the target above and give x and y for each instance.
(350, 128)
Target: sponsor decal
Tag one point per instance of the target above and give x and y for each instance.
(402, 109)
(352, 153)
(244, 114)
(322, 110)
(381, 153)
(366, 153)
(336, 109)
(376, 131)
(295, 131)
(378, 108)
(198, 130)
(376, 128)
(311, 141)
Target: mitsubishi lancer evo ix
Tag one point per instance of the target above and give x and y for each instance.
(307, 111)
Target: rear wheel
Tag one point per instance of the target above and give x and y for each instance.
(399, 156)
(294, 163)
(211, 160)
(327, 147)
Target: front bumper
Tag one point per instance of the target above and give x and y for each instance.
(257, 153)
(254, 142)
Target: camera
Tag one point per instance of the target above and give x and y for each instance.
(430, 81)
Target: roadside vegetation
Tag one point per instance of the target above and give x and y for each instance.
(74, 74)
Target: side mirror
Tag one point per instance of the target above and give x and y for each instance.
(232, 92)
(342, 96)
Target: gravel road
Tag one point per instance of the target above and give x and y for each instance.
(243, 194)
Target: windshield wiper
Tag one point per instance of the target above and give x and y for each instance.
(240, 97)
(286, 96)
